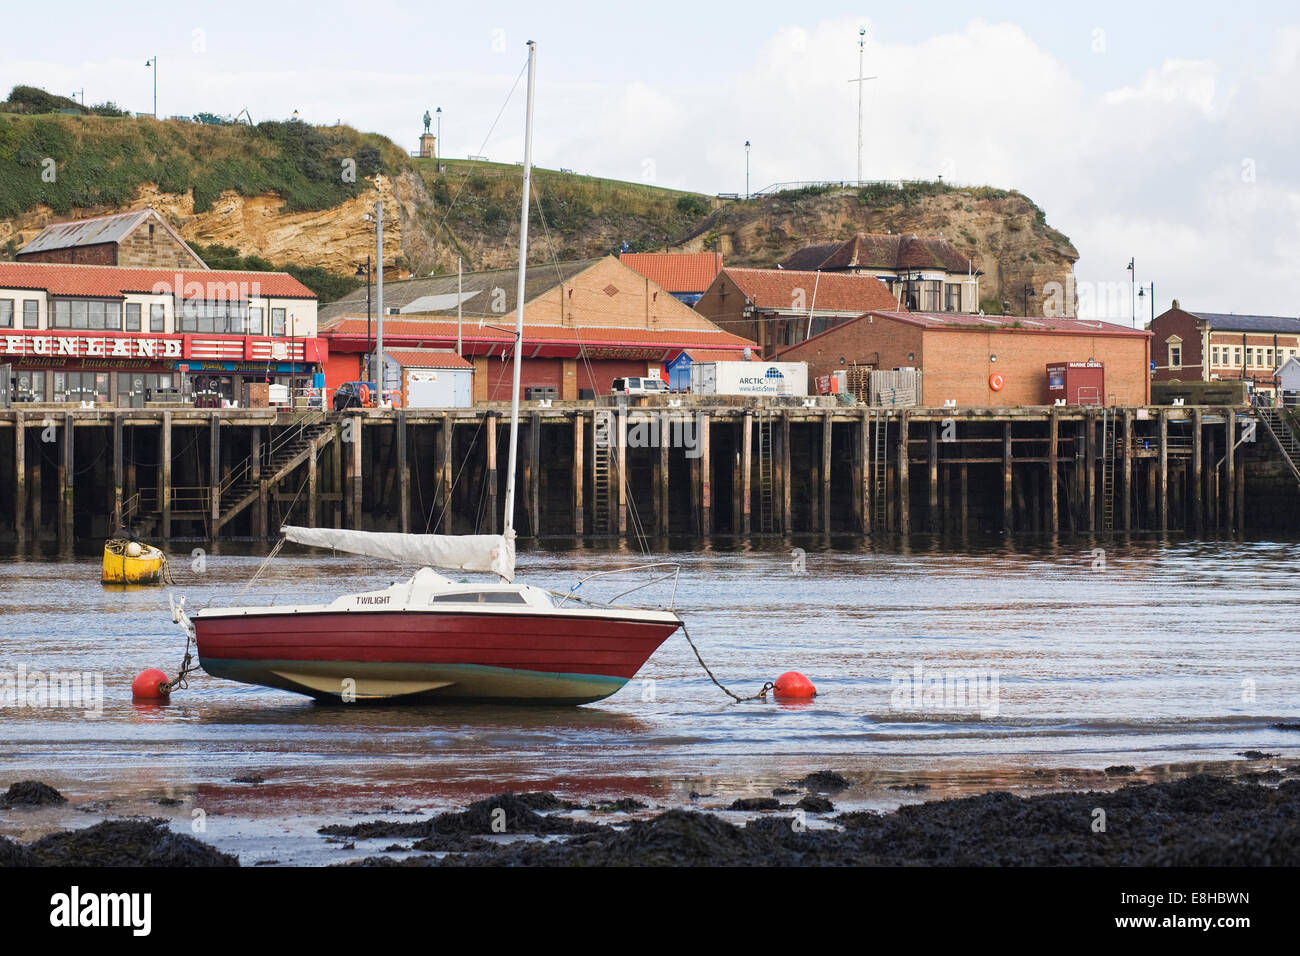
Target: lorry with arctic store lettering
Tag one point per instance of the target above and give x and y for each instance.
(749, 378)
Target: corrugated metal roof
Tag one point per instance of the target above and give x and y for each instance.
(1230, 322)
(960, 321)
(487, 294)
(86, 232)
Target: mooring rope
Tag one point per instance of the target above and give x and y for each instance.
(761, 695)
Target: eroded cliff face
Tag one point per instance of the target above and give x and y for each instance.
(1003, 234)
(337, 239)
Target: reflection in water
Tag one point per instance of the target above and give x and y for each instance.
(1173, 652)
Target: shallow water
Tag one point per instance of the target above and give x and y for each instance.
(1172, 653)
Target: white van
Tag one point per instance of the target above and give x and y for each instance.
(639, 386)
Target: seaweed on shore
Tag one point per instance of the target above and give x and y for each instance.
(115, 843)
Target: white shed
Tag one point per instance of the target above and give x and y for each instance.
(1288, 377)
(432, 378)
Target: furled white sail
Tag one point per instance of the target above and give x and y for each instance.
(492, 553)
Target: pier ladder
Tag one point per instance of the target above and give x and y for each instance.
(766, 490)
(880, 467)
(1108, 452)
(603, 425)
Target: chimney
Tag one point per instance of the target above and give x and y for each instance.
(1176, 305)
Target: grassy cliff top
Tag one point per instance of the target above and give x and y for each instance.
(75, 162)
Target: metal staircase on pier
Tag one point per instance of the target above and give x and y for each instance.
(1109, 424)
(1284, 438)
(766, 488)
(280, 456)
(880, 465)
(602, 470)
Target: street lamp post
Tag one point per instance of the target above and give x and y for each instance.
(746, 169)
(437, 140)
(365, 271)
(152, 62)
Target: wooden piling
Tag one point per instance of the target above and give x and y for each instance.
(119, 475)
(355, 477)
(214, 467)
(904, 466)
(746, 472)
(492, 480)
(1053, 492)
(1198, 506)
(20, 479)
(965, 501)
(620, 479)
(865, 489)
(706, 473)
(785, 474)
(165, 475)
(579, 470)
(828, 435)
(662, 504)
(403, 472)
(67, 482)
(447, 447)
(1008, 524)
(932, 467)
(1229, 474)
(313, 489)
(1128, 469)
(1164, 470)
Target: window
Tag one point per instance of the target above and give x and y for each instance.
(930, 294)
(133, 316)
(81, 386)
(1236, 356)
(6, 313)
(1216, 356)
(220, 317)
(31, 313)
(30, 384)
(1175, 356)
(255, 320)
(480, 597)
(952, 297)
(157, 317)
(277, 321)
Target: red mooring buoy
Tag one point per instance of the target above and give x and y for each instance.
(792, 684)
(150, 685)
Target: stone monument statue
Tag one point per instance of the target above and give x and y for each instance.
(427, 120)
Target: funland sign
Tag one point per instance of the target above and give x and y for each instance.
(94, 346)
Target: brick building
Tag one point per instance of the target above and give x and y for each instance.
(925, 273)
(84, 333)
(140, 239)
(958, 355)
(586, 323)
(1205, 346)
(779, 307)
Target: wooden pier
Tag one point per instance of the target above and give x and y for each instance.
(627, 471)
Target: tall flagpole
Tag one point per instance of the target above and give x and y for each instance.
(519, 297)
(862, 42)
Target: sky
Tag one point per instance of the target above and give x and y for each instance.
(1163, 133)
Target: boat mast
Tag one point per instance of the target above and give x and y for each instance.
(519, 296)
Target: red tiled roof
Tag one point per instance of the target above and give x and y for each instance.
(881, 251)
(439, 330)
(676, 271)
(788, 290)
(427, 358)
(113, 282)
(963, 322)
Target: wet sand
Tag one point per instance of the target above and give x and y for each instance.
(1244, 813)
